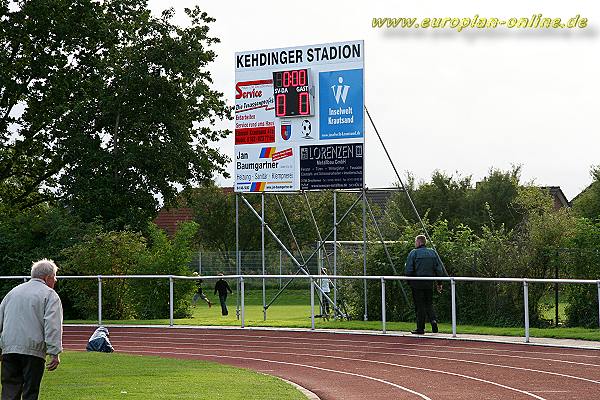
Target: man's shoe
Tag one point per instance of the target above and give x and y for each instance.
(434, 327)
(417, 332)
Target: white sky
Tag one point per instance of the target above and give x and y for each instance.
(454, 101)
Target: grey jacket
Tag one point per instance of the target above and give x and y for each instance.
(31, 318)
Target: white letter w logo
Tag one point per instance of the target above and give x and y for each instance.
(340, 91)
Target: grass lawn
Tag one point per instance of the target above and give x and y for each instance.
(292, 310)
(549, 312)
(93, 376)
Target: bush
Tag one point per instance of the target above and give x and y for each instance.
(30, 235)
(494, 253)
(128, 253)
(583, 262)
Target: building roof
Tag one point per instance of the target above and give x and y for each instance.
(560, 200)
(169, 218)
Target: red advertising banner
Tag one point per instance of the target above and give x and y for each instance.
(263, 134)
(282, 154)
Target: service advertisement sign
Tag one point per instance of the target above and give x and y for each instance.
(299, 118)
(253, 112)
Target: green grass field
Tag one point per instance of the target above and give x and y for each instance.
(292, 310)
(549, 312)
(92, 376)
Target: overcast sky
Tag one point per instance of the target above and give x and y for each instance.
(460, 102)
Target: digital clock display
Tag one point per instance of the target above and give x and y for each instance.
(292, 93)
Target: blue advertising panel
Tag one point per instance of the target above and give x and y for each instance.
(341, 103)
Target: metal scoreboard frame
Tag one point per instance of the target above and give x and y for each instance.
(299, 118)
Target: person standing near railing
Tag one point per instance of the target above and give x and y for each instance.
(325, 282)
(423, 262)
(31, 319)
(222, 287)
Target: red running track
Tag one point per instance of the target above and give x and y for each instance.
(359, 366)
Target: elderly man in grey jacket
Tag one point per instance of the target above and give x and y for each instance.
(30, 328)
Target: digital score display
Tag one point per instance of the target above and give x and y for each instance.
(292, 93)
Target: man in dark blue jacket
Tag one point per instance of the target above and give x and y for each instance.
(423, 262)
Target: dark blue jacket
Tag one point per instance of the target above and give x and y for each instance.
(423, 262)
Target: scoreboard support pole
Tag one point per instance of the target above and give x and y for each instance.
(301, 266)
(364, 221)
(334, 247)
(238, 257)
(264, 293)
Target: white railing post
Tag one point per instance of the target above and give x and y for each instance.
(242, 285)
(171, 300)
(312, 304)
(99, 300)
(453, 297)
(383, 304)
(526, 301)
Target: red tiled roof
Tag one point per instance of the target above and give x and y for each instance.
(168, 218)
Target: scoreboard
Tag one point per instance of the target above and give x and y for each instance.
(292, 93)
(299, 118)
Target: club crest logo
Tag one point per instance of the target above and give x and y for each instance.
(286, 132)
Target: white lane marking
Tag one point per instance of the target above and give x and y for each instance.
(550, 391)
(353, 359)
(229, 334)
(297, 365)
(225, 340)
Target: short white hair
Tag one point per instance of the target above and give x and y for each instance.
(42, 268)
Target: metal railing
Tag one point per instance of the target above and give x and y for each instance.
(314, 279)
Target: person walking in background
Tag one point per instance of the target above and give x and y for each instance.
(199, 293)
(325, 282)
(31, 319)
(222, 287)
(423, 262)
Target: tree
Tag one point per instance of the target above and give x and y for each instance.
(30, 235)
(587, 204)
(493, 197)
(105, 107)
(453, 198)
(445, 197)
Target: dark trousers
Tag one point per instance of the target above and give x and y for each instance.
(325, 304)
(423, 299)
(21, 375)
(223, 300)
